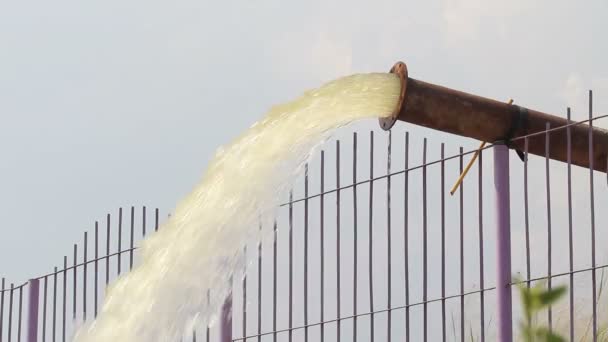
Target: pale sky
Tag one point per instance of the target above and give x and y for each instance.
(113, 103)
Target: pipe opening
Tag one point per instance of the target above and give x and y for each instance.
(400, 69)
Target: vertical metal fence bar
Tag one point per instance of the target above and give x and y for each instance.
(2, 290)
(549, 237)
(322, 233)
(96, 268)
(10, 312)
(389, 320)
(244, 304)
(64, 297)
(503, 244)
(305, 253)
(355, 233)
(84, 278)
(338, 302)
(481, 264)
(260, 286)
(54, 304)
(406, 237)
(207, 328)
(443, 331)
(20, 313)
(74, 282)
(156, 219)
(44, 306)
(424, 248)
(131, 237)
(290, 313)
(461, 217)
(274, 283)
(526, 213)
(32, 312)
(570, 235)
(119, 247)
(370, 235)
(592, 202)
(107, 250)
(143, 229)
(226, 322)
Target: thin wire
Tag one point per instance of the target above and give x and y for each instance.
(79, 265)
(557, 275)
(88, 262)
(15, 288)
(455, 156)
(402, 307)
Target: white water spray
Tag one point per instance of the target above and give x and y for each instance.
(198, 248)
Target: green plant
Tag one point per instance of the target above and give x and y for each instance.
(535, 299)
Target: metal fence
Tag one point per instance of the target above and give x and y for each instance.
(51, 306)
(371, 246)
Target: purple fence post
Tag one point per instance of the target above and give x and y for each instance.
(32, 314)
(226, 324)
(503, 244)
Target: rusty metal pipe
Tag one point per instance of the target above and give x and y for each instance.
(492, 121)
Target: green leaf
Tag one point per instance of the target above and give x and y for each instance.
(531, 300)
(547, 336)
(528, 334)
(549, 297)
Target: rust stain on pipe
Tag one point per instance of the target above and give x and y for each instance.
(484, 119)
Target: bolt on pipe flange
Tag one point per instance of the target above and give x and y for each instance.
(400, 69)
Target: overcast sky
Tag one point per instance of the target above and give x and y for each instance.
(113, 103)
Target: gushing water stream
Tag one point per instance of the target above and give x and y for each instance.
(198, 248)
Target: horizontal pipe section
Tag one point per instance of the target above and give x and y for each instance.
(472, 116)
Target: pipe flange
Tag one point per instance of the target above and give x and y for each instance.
(400, 69)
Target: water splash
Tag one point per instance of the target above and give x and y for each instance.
(198, 247)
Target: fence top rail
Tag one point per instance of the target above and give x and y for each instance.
(14, 287)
